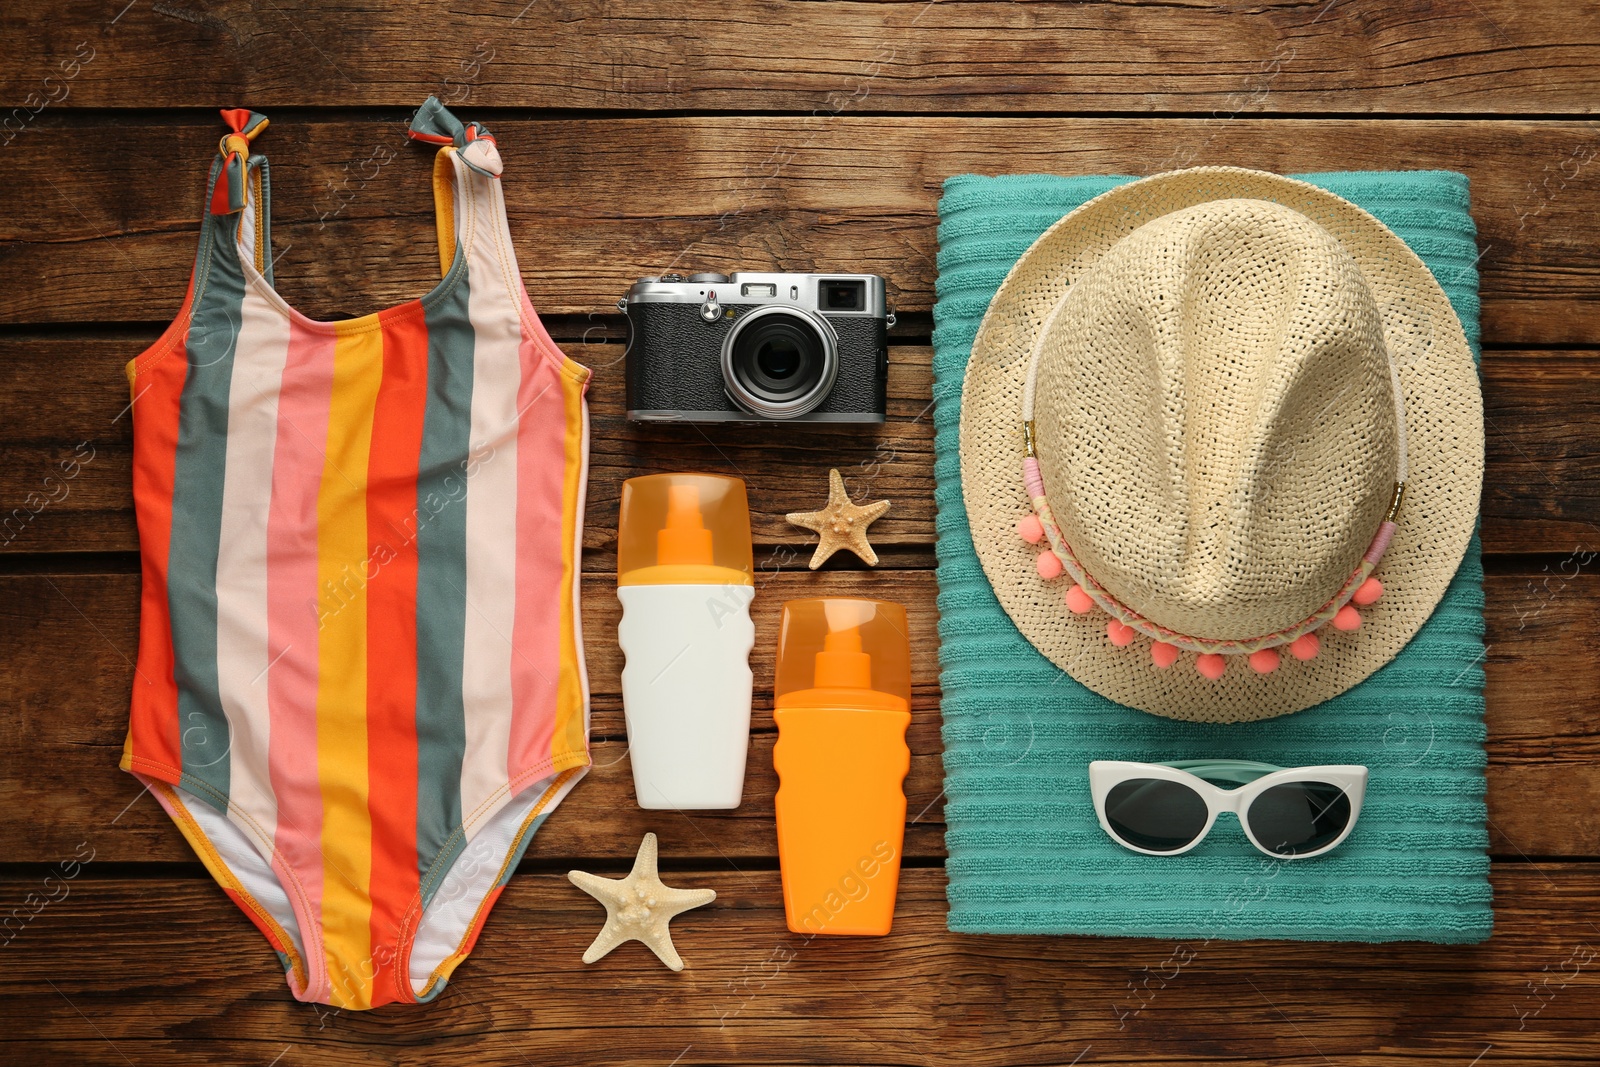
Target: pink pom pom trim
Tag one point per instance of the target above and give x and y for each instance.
(1163, 655)
(1360, 588)
(1050, 565)
(1264, 661)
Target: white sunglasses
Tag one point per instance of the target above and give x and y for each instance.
(1165, 809)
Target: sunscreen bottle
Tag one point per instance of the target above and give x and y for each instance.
(842, 702)
(684, 579)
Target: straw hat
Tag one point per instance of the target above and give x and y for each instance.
(1229, 375)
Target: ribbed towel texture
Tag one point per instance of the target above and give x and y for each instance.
(1026, 853)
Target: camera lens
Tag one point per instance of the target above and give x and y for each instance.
(779, 363)
(777, 358)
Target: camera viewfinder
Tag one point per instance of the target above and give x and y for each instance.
(844, 295)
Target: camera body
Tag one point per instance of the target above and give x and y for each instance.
(757, 347)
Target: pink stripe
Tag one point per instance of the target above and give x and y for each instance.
(292, 626)
(1380, 543)
(541, 544)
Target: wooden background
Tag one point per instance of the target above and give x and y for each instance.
(764, 135)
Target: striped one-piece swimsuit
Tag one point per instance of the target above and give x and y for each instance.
(360, 686)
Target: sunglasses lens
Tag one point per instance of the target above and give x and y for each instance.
(1299, 817)
(1154, 814)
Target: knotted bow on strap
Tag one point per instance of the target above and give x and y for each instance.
(228, 195)
(435, 124)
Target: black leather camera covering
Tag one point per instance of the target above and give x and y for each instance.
(674, 362)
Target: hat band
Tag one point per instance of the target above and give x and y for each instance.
(1128, 617)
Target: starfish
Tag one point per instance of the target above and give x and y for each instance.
(841, 524)
(639, 907)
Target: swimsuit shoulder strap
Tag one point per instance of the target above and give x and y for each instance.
(469, 202)
(237, 223)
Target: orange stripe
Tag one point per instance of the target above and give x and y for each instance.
(392, 642)
(155, 381)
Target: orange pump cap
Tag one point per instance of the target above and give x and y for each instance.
(841, 663)
(684, 529)
(685, 538)
(843, 652)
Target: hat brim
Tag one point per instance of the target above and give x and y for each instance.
(1444, 420)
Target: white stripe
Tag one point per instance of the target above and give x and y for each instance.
(491, 498)
(243, 657)
(247, 227)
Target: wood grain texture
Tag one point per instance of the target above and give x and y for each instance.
(794, 135)
(65, 402)
(168, 971)
(906, 55)
(74, 637)
(597, 203)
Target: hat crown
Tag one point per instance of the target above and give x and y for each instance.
(1215, 416)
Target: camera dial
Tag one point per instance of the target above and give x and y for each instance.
(709, 276)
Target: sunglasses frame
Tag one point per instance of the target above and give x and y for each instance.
(1104, 775)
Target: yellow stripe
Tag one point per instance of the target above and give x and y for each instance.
(570, 733)
(444, 207)
(342, 670)
(261, 219)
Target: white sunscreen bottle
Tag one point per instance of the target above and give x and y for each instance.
(684, 578)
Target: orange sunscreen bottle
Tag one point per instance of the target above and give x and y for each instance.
(842, 702)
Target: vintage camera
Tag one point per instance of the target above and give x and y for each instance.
(757, 348)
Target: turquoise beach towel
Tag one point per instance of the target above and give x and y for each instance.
(1026, 854)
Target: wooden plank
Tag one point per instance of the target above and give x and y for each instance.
(69, 669)
(1529, 449)
(596, 203)
(1280, 56)
(168, 971)
(63, 403)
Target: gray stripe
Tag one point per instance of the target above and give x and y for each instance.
(441, 535)
(197, 506)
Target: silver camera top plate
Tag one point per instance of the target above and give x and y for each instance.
(803, 291)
